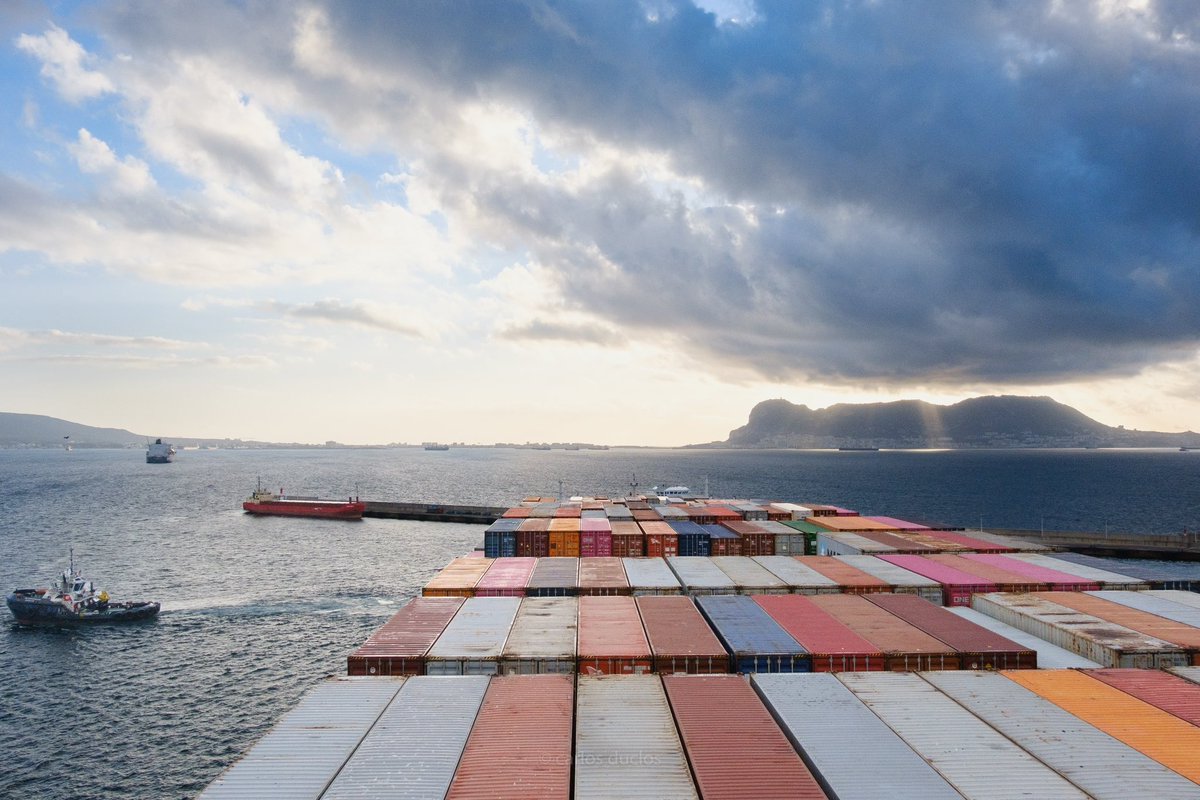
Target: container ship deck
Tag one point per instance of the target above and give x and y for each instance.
(711, 649)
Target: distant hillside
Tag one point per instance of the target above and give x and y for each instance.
(35, 430)
(1005, 421)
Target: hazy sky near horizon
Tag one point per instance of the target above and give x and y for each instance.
(619, 222)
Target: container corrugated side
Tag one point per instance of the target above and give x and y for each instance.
(1164, 737)
(852, 580)
(902, 581)
(414, 748)
(1091, 759)
(749, 576)
(650, 576)
(1106, 579)
(799, 578)
(542, 637)
(1162, 690)
(701, 575)
(735, 748)
(554, 577)
(399, 647)
(905, 647)
(756, 642)
(1181, 634)
(957, 586)
(979, 647)
(839, 737)
(833, 645)
(602, 576)
(505, 578)
(1153, 604)
(680, 640)
(520, 746)
(972, 756)
(1056, 579)
(626, 744)
(1050, 656)
(612, 640)
(303, 752)
(1104, 642)
(458, 578)
(1003, 579)
(474, 639)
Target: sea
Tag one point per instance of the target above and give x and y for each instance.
(257, 610)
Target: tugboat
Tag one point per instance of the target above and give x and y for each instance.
(264, 501)
(74, 601)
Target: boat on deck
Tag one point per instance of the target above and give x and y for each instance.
(264, 501)
(74, 600)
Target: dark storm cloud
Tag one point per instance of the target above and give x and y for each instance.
(941, 191)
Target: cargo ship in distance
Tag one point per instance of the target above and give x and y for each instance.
(264, 501)
(159, 453)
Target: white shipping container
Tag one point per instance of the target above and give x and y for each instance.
(414, 748)
(1102, 766)
(789, 544)
(1179, 596)
(849, 544)
(1091, 637)
(543, 637)
(626, 744)
(1049, 656)
(839, 737)
(1106, 579)
(1151, 604)
(749, 576)
(796, 511)
(903, 581)
(474, 640)
(1015, 542)
(979, 762)
(699, 575)
(802, 579)
(298, 757)
(650, 576)
(1190, 673)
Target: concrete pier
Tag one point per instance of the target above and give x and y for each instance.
(1168, 546)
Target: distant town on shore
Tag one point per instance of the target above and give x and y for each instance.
(982, 422)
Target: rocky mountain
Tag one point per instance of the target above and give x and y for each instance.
(1003, 421)
(35, 430)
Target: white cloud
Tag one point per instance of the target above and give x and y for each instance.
(128, 175)
(64, 62)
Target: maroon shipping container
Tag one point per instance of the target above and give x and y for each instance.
(968, 541)
(680, 640)
(661, 539)
(399, 647)
(611, 638)
(905, 647)
(852, 579)
(1004, 579)
(978, 647)
(755, 540)
(506, 577)
(628, 541)
(736, 750)
(602, 576)
(901, 544)
(701, 515)
(645, 515)
(1171, 693)
(533, 538)
(520, 745)
(834, 646)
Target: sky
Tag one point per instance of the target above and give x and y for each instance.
(623, 222)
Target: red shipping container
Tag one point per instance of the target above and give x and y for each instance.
(733, 744)
(661, 539)
(567, 511)
(851, 579)
(834, 646)
(399, 647)
(905, 648)
(602, 576)
(978, 647)
(1171, 693)
(520, 512)
(520, 745)
(680, 640)
(1005, 580)
(646, 515)
(957, 586)
(611, 638)
(506, 577)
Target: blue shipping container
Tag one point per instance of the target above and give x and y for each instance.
(757, 642)
(693, 539)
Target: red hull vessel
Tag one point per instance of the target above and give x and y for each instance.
(264, 502)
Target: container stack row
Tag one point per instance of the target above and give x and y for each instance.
(1105, 734)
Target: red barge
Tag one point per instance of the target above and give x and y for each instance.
(264, 501)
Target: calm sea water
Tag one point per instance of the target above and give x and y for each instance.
(257, 610)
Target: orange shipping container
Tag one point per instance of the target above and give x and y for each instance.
(852, 579)
(1187, 637)
(458, 578)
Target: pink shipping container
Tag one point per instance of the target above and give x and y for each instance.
(1055, 580)
(736, 750)
(834, 646)
(595, 538)
(611, 638)
(958, 586)
(520, 745)
(506, 577)
(1171, 693)
(399, 647)
(969, 542)
(602, 576)
(1005, 580)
